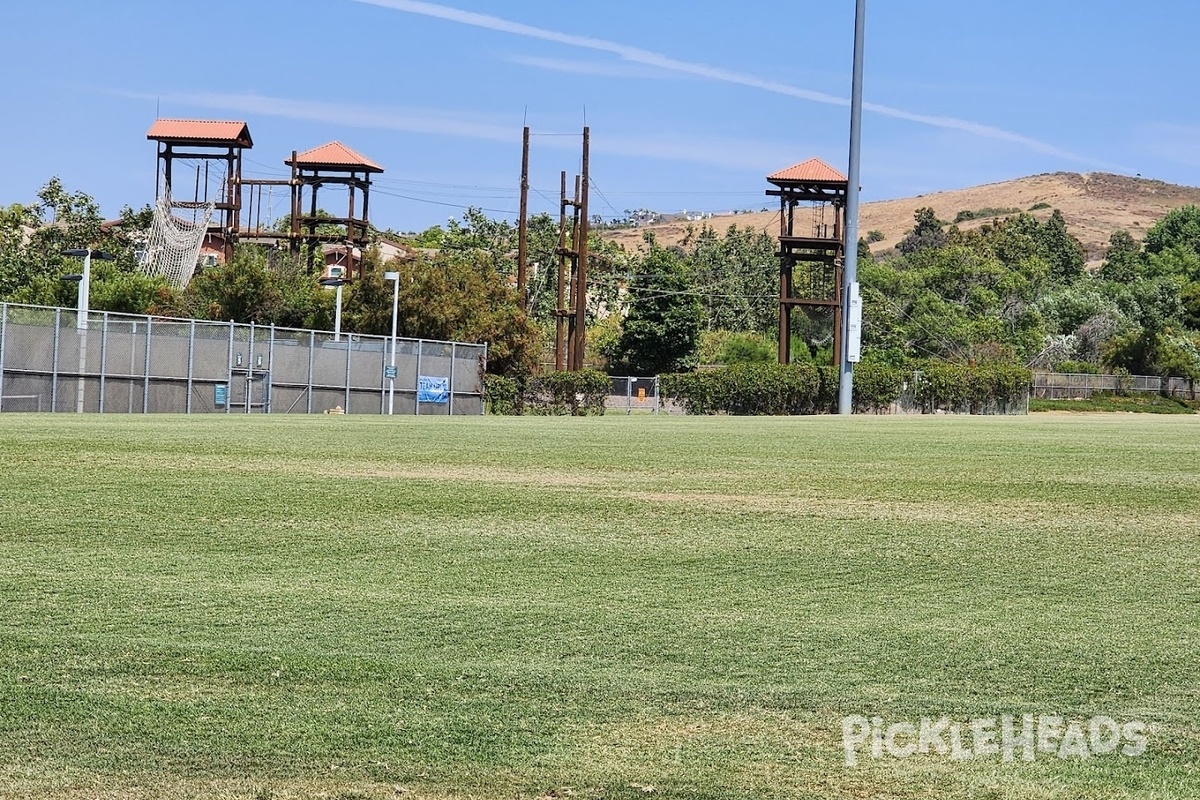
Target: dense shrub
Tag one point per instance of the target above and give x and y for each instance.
(976, 389)
(576, 394)
(876, 386)
(747, 389)
(985, 213)
(767, 389)
(745, 348)
(827, 393)
(502, 395)
(1078, 367)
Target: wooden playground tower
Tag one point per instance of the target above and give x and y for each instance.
(217, 147)
(811, 245)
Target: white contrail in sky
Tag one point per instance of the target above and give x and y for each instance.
(728, 153)
(650, 58)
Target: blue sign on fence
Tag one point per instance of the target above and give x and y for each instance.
(433, 390)
(220, 395)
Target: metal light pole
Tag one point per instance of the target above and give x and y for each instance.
(851, 306)
(337, 314)
(394, 277)
(85, 281)
(81, 312)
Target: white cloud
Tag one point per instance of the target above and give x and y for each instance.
(410, 120)
(649, 58)
(602, 69)
(725, 153)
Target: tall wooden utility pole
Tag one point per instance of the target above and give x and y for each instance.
(560, 310)
(523, 226)
(581, 272)
(573, 278)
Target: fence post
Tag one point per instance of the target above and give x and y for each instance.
(3, 332)
(103, 358)
(346, 402)
(417, 379)
(146, 369)
(383, 380)
(249, 371)
(482, 387)
(229, 371)
(453, 357)
(54, 365)
(312, 346)
(629, 394)
(656, 401)
(270, 365)
(191, 363)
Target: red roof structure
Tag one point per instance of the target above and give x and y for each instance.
(203, 132)
(812, 171)
(334, 155)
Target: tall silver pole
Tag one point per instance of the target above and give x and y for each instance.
(394, 277)
(81, 320)
(846, 387)
(337, 316)
(81, 324)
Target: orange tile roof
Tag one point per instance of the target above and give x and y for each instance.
(812, 171)
(334, 154)
(201, 131)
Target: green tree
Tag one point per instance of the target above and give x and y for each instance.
(243, 290)
(450, 296)
(1123, 262)
(927, 233)
(738, 274)
(661, 331)
(1180, 227)
(1062, 251)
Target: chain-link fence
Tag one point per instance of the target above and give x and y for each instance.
(54, 360)
(1075, 385)
(910, 403)
(633, 395)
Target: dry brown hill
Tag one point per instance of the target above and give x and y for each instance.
(1093, 205)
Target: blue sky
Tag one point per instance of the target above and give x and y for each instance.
(690, 104)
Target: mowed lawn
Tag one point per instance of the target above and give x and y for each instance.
(364, 607)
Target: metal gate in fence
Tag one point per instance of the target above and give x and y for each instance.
(54, 360)
(631, 394)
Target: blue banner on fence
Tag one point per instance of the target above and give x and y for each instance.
(433, 390)
(220, 395)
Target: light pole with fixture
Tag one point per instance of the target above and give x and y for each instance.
(851, 302)
(337, 314)
(394, 277)
(85, 281)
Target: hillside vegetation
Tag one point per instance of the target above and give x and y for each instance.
(1092, 204)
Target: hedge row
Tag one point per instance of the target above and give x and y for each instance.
(772, 389)
(977, 389)
(746, 389)
(553, 393)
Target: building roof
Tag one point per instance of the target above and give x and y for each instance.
(201, 132)
(812, 171)
(334, 154)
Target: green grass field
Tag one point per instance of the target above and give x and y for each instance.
(341, 607)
